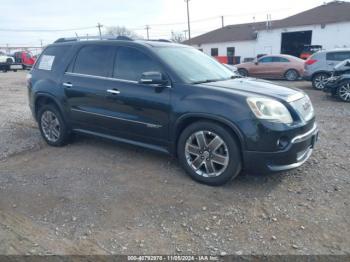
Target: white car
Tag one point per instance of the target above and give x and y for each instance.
(6, 59)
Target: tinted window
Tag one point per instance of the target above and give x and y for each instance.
(277, 59)
(94, 60)
(338, 56)
(267, 59)
(214, 52)
(57, 52)
(131, 63)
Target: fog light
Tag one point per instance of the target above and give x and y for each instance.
(283, 142)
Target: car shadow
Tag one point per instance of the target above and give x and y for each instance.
(260, 184)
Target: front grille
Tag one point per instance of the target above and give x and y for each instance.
(304, 108)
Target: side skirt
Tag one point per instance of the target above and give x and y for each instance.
(124, 140)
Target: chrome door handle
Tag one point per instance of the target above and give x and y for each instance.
(113, 91)
(67, 84)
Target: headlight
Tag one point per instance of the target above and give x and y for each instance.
(269, 109)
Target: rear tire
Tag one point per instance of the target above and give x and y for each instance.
(52, 126)
(291, 75)
(243, 72)
(319, 81)
(209, 153)
(343, 91)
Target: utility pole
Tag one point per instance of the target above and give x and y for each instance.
(188, 22)
(147, 29)
(99, 29)
(222, 21)
(41, 43)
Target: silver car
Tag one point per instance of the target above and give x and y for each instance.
(319, 66)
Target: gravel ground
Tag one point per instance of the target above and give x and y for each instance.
(98, 197)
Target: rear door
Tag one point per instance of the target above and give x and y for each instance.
(279, 66)
(85, 85)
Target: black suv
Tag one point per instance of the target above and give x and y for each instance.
(171, 98)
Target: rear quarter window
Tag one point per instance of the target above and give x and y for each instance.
(52, 57)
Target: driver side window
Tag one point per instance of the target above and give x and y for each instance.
(130, 63)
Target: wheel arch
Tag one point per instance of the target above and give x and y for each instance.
(320, 72)
(188, 119)
(44, 99)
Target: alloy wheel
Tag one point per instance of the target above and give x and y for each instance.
(207, 154)
(291, 75)
(320, 81)
(344, 92)
(50, 126)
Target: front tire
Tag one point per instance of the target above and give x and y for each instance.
(209, 153)
(243, 72)
(343, 91)
(319, 81)
(52, 126)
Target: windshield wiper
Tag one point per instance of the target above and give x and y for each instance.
(206, 81)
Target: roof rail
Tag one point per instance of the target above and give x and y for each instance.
(86, 38)
(160, 40)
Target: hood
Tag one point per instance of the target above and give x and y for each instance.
(258, 87)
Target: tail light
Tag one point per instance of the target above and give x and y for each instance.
(310, 61)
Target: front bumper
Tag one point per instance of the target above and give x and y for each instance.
(296, 153)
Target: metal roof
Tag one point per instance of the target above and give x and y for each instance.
(333, 12)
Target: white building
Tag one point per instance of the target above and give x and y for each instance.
(327, 25)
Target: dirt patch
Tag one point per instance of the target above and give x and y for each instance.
(97, 197)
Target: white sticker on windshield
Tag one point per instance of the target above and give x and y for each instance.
(46, 62)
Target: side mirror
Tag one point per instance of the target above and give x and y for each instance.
(152, 78)
(347, 63)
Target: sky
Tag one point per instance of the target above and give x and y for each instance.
(30, 23)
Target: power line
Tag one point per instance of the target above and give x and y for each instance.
(139, 27)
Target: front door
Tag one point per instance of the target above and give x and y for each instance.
(105, 97)
(263, 67)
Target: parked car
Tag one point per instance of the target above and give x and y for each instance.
(319, 66)
(274, 66)
(339, 83)
(6, 59)
(192, 107)
(25, 58)
(309, 50)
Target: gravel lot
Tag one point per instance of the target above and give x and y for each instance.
(98, 197)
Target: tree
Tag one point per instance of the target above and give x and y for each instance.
(122, 31)
(177, 37)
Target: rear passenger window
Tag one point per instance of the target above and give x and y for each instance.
(266, 60)
(52, 57)
(130, 63)
(96, 60)
(279, 59)
(338, 56)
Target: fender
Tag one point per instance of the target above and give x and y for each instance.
(41, 94)
(216, 118)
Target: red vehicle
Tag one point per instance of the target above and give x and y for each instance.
(309, 50)
(25, 58)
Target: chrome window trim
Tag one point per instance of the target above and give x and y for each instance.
(102, 77)
(304, 136)
(109, 78)
(118, 118)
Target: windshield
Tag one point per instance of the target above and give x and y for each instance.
(193, 66)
